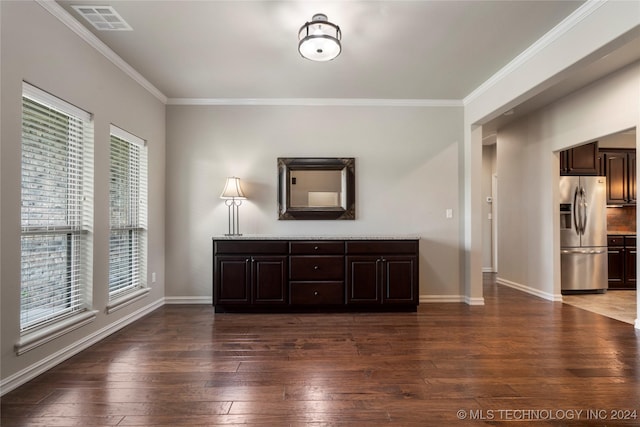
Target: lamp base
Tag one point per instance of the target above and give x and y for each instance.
(234, 216)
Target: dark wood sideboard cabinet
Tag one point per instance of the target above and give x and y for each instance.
(315, 275)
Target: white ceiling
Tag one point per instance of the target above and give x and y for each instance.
(424, 51)
(411, 50)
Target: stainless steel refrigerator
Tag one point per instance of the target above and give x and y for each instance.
(583, 233)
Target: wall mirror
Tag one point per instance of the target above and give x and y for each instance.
(316, 188)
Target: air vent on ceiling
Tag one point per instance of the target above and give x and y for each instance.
(103, 18)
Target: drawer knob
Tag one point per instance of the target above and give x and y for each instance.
(315, 267)
(315, 248)
(315, 293)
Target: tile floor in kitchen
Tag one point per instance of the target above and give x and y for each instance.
(618, 304)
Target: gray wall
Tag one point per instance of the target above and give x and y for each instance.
(31, 50)
(406, 177)
(528, 173)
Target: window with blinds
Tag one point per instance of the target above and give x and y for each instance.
(56, 211)
(127, 213)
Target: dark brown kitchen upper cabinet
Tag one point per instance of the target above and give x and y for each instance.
(601, 168)
(582, 160)
(620, 170)
(631, 157)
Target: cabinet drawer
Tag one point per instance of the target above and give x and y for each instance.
(252, 247)
(630, 241)
(615, 240)
(382, 247)
(316, 248)
(323, 267)
(317, 293)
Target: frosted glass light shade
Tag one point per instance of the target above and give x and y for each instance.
(319, 40)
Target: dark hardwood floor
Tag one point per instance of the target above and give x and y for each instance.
(518, 360)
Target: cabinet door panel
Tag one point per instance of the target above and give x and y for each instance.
(616, 178)
(615, 260)
(269, 280)
(232, 280)
(631, 159)
(564, 162)
(363, 280)
(630, 267)
(583, 160)
(400, 279)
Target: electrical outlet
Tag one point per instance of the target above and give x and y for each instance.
(153, 277)
(448, 213)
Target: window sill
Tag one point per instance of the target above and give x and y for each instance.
(34, 339)
(126, 299)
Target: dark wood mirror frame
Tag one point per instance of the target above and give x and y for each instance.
(346, 165)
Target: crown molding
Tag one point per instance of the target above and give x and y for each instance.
(66, 18)
(551, 36)
(317, 102)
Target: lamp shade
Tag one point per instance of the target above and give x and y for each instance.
(232, 189)
(319, 40)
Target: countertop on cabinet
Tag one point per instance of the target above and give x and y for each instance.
(324, 237)
(621, 233)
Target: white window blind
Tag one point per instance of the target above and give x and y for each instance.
(55, 208)
(127, 213)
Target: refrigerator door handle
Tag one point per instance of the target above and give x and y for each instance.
(584, 251)
(583, 195)
(575, 211)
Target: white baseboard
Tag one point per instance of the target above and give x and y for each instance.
(487, 270)
(637, 325)
(441, 298)
(188, 300)
(19, 378)
(450, 298)
(474, 301)
(529, 290)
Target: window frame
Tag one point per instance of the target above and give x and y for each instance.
(54, 167)
(127, 263)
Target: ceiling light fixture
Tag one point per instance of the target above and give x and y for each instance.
(319, 40)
